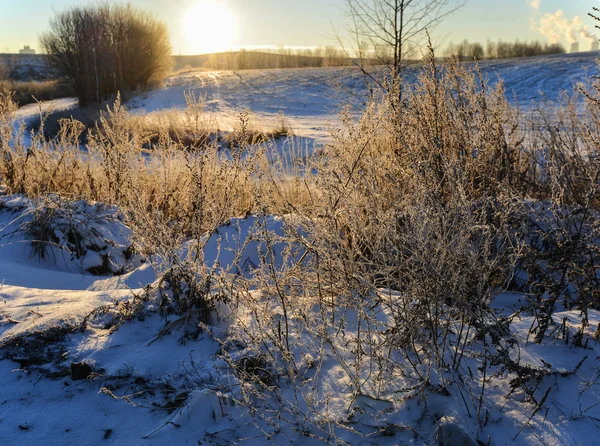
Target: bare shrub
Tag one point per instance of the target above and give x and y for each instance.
(561, 264)
(419, 215)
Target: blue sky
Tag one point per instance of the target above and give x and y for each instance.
(300, 22)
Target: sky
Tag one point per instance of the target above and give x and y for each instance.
(198, 26)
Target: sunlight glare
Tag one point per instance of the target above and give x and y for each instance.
(209, 27)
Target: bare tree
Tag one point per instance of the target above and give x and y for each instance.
(102, 50)
(394, 29)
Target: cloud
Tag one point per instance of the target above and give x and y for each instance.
(534, 4)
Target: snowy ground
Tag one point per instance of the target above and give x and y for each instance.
(26, 114)
(146, 386)
(30, 111)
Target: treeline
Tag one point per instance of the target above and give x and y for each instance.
(26, 67)
(278, 58)
(105, 49)
(502, 50)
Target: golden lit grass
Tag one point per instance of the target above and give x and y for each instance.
(173, 168)
(193, 126)
(447, 135)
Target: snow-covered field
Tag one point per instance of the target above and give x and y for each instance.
(310, 99)
(306, 100)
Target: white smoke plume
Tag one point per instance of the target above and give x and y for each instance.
(588, 35)
(556, 27)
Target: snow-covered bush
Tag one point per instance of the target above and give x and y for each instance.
(78, 235)
(420, 218)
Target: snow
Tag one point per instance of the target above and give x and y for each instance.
(530, 79)
(26, 114)
(29, 111)
(141, 368)
(303, 99)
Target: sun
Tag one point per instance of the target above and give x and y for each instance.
(209, 27)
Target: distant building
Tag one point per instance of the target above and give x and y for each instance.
(575, 47)
(595, 45)
(27, 50)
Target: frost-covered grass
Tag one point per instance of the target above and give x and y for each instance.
(27, 92)
(430, 274)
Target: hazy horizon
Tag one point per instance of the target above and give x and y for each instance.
(236, 24)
